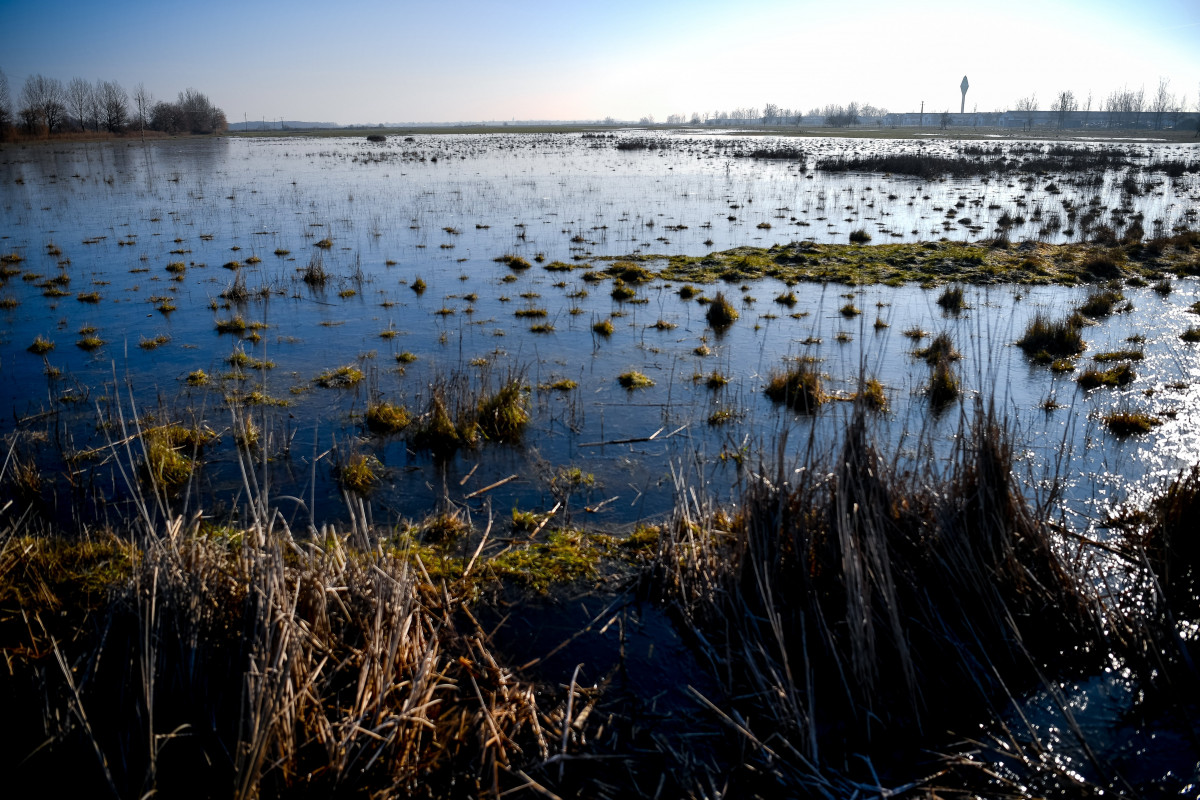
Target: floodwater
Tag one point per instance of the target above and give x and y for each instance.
(113, 217)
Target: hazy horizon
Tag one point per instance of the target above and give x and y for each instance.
(367, 63)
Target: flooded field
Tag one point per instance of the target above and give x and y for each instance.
(632, 422)
(275, 291)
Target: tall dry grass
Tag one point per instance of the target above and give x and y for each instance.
(853, 604)
(187, 659)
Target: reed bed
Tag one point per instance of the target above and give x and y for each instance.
(853, 603)
(198, 661)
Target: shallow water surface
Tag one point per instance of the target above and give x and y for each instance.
(161, 234)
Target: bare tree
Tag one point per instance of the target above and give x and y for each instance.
(142, 103)
(96, 114)
(770, 114)
(1027, 106)
(837, 116)
(198, 114)
(1064, 105)
(1137, 105)
(6, 113)
(114, 105)
(42, 103)
(79, 100)
(1162, 102)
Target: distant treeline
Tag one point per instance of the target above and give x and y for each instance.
(833, 114)
(46, 106)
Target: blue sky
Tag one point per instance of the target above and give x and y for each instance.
(450, 61)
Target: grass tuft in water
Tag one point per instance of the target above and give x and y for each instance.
(940, 348)
(952, 299)
(339, 377)
(1123, 422)
(387, 418)
(634, 380)
(1100, 303)
(1056, 337)
(503, 415)
(721, 313)
(799, 387)
(1120, 375)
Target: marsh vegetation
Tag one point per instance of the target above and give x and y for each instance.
(534, 366)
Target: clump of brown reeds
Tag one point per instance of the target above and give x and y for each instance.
(240, 662)
(1059, 338)
(799, 387)
(856, 600)
(721, 313)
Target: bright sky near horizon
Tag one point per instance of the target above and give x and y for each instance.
(366, 62)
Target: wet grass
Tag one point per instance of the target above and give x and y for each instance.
(940, 576)
(799, 387)
(1059, 338)
(504, 413)
(387, 418)
(634, 380)
(1130, 423)
(339, 377)
(927, 263)
(720, 312)
(1114, 377)
(230, 657)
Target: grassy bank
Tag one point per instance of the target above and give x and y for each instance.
(928, 263)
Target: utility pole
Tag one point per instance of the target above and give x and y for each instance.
(922, 122)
